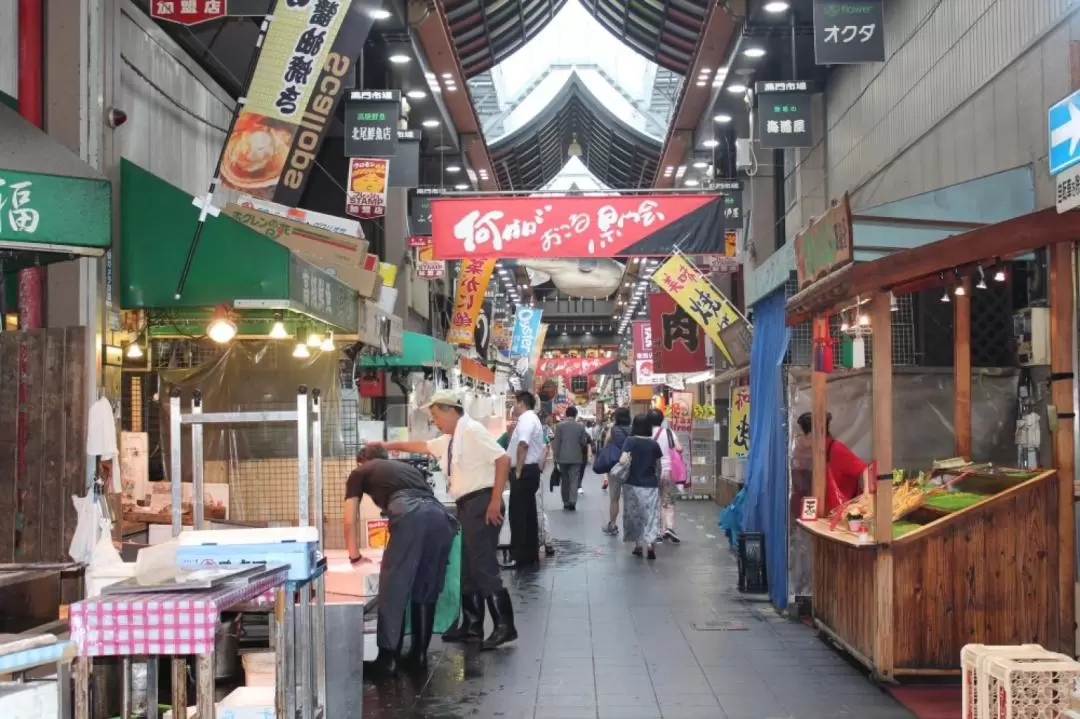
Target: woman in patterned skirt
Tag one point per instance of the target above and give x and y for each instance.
(641, 488)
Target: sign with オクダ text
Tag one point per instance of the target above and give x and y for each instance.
(824, 246)
(1068, 189)
(783, 115)
(849, 32)
(187, 12)
(371, 123)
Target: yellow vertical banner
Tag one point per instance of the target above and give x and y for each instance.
(538, 346)
(694, 293)
(739, 424)
(471, 287)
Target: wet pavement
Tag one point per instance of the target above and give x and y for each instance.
(605, 635)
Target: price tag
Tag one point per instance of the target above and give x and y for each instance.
(809, 509)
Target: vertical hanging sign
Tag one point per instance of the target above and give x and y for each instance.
(526, 329)
(371, 123)
(783, 115)
(733, 209)
(678, 341)
(366, 197)
(472, 285)
(420, 211)
(848, 33)
(739, 424)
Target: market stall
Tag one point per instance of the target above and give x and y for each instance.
(983, 556)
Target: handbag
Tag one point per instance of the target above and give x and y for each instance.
(676, 463)
(607, 458)
(556, 478)
(620, 469)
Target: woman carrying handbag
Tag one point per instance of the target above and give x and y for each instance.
(672, 474)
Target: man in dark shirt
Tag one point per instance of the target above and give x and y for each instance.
(414, 563)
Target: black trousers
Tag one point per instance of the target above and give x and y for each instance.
(524, 527)
(479, 545)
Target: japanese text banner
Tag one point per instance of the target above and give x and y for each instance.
(678, 340)
(739, 424)
(644, 369)
(471, 287)
(575, 226)
(701, 300)
(305, 60)
(526, 327)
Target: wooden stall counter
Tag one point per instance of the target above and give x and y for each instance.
(985, 573)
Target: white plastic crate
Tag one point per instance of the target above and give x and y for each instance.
(985, 696)
(970, 656)
(1030, 689)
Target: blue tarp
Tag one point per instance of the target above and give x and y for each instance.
(766, 504)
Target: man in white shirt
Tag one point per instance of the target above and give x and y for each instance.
(526, 450)
(476, 468)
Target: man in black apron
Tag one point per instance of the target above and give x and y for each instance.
(414, 563)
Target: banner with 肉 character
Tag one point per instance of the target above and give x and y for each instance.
(739, 424)
(575, 226)
(304, 63)
(472, 285)
(526, 328)
(692, 291)
(678, 340)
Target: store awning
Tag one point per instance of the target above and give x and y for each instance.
(233, 264)
(417, 350)
(50, 200)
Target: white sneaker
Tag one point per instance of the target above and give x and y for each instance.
(580, 490)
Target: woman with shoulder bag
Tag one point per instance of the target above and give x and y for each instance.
(613, 480)
(669, 482)
(641, 456)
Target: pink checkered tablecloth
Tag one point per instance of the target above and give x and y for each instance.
(161, 623)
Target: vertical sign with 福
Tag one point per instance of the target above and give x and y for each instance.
(371, 123)
(849, 33)
(783, 115)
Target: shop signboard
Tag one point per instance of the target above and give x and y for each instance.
(420, 211)
(733, 196)
(783, 116)
(739, 424)
(1063, 130)
(644, 369)
(678, 341)
(333, 223)
(314, 292)
(567, 368)
(825, 246)
(692, 291)
(371, 123)
(473, 279)
(405, 169)
(1068, 189)
(305, 62)
(366, 197)
(69, 212)
(848, 33)
(426, 267)
(188, 12)
(526, 327)
(573, 226)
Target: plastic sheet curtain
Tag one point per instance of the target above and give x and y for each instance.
(766, 507)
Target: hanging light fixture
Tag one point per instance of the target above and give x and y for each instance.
(999, 274)
(894, 306)
(221, 329)
(981, 285)
(301, 351)
(864, 320)
(314, 339)
(278, 331)
(960, 291)
(134, 351)
(328, 343)
(575, 147)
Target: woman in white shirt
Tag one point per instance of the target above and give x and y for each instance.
(668, 490)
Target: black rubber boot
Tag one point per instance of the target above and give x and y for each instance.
(502, 612)
(423, 624)
(384, 666)
(471, 628)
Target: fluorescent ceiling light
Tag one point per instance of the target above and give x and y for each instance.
(722, 117)
(710, 143)
(701, 164)
(379, 14)
(776, 6)
(736, 89)
(461, 186)
(431, 123)
(400, 58)
(416, 94)
(452, 169)
(691, 183)
(754, 52)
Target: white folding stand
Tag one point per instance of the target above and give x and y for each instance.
(306, 629)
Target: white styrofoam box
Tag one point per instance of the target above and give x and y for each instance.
(255, 535)
(295, 546)
(30, 700)
(740, 469)
(247, 703)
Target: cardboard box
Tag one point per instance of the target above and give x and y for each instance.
(305, 239)
(366, 282)
(332, 223)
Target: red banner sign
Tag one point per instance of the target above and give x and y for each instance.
(678, 341)
(571, 226)
(570, 367)
(187, 12)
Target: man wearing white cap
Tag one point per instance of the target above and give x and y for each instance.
(476, 468)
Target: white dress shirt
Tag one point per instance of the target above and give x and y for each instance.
(471, 465)
(531, 431)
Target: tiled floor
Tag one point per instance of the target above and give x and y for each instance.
(605, 635)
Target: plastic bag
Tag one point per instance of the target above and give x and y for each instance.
(88, 513)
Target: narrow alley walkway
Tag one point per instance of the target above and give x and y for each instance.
(605, 635)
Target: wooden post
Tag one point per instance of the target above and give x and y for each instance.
(1061, 396)
(881, 369)
(962, 370)
(819, 418)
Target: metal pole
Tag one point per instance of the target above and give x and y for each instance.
(175, 450)
(304, 639)
(302, 454)
(316, 453)
(197, 463)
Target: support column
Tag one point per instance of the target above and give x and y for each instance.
(962, 370)
(882, 371)
(31, 82)
(819, 417)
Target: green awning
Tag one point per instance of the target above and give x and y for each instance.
(50, 200)
(417, 350)
(233, 264)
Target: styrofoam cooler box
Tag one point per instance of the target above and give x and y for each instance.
(247, 703)
(740, 470)
(295, 546)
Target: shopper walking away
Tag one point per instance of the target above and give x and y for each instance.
(571, 450)
(669, 491)
(414, 563)
(476, 469)
(617, 435)
(641, 490)
(526, 450)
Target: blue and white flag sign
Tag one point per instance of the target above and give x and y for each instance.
(526, 327)
(1064, 128)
